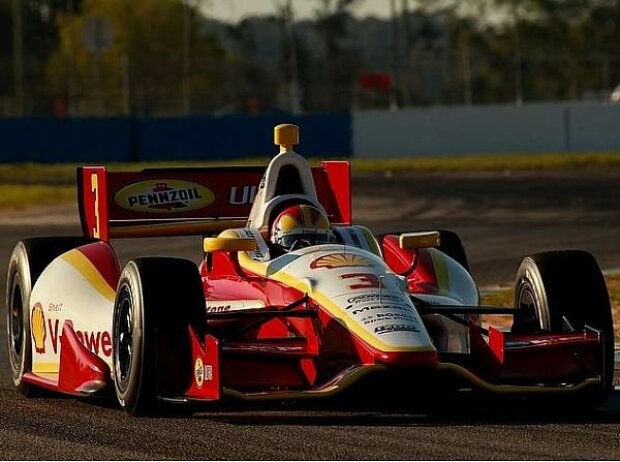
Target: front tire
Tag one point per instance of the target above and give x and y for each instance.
(563, 291)
(28, 260)
(157, 299)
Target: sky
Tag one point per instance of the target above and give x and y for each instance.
(234, 10)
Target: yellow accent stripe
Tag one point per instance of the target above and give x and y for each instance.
(45, 368)
(84, 266)
(514, 389)
(308, 221)
(339, 383)
(230, 244)
(336, 311)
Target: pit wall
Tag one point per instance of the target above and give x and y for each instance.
(534, 128)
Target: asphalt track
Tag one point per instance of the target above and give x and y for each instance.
(500, 216)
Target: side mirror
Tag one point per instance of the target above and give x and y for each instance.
(229, 244)
(419, 240)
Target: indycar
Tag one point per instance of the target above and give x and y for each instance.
(356, 313)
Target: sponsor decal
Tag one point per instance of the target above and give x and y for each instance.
(386, 306)
(395, 328)
(208, 373)
(241, 195)
(55, 307)
(94, 341)
(374, 298)
(164, 196)
(199, 372)
(340, 260)
(218, 306)
(363, 281)
(389, 316)
(37, 328)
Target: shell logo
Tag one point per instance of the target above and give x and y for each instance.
(340, 260)
(199, 372)
(37, 328)
(164, 196)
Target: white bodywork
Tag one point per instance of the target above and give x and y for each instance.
(63, 293)
(358, 290)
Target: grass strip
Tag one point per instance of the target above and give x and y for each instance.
(550, 161)
(18, 197)
(28, 173)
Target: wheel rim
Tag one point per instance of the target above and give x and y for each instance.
(527, 301)
(15, 325)
(123, 337)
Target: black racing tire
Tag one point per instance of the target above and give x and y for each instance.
(28, 260)
(563, 291)
(156, 300)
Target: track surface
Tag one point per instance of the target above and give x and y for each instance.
(500, 217)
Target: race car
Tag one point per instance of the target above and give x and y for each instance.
(290, 301)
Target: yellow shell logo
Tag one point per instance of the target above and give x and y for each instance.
(340, 260)
(164, 196)
(37, 328)
(199, 372)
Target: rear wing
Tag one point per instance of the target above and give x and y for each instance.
(182, 201)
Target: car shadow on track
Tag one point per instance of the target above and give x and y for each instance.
(464, 413)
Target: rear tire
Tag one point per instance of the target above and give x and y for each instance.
(28, 260)
(156, 300)
(563, 291)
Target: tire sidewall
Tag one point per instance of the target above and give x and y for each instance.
(130, 284)
(18, 273)
(530, 280)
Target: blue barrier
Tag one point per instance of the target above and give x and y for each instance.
(183, 138)
(64, 140)
(201, 138)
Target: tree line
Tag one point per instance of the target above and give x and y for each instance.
(167, 57)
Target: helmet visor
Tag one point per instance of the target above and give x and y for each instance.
(311, 238)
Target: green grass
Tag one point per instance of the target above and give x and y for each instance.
(550, 161)
(30, 184)
(31, 173)
(65, 173)
(23, 196)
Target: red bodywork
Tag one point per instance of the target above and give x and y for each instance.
(292, 347)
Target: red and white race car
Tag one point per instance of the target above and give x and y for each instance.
(290, 300)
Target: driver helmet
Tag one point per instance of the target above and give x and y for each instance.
(301, 226)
